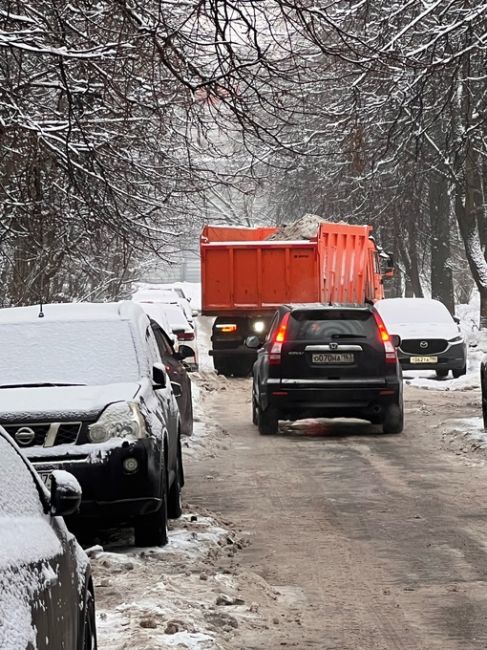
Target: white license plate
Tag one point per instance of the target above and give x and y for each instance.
(423, 359)
(45, 477)
(332, 357)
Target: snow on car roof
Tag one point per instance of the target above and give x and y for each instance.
(173, 312)
(124, 310)
(407, 310)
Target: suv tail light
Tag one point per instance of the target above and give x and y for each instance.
(279, 338)
(389, 349)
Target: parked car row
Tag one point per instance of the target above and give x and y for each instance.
(94, 399)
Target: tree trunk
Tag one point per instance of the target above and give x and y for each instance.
(469, 212)
(439, 213)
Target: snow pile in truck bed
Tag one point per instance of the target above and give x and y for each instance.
(304, 228)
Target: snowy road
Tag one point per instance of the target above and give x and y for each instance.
(368, 541)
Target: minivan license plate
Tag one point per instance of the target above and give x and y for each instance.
(332, 357)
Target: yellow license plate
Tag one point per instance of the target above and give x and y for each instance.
(423, 359)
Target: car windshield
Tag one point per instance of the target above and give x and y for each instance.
(413, 311)
(67, 352)
(325, 325)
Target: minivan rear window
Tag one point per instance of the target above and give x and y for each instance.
(312, 325)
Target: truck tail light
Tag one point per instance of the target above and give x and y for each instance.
(279, 338)
(389, 349)
(226, 328)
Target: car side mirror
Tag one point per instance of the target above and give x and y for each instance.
(184, 352)
(194, 313)
(395, 340)
(253, 342)
(159, 376)
(65, 493)
(456, 319)
(176, 389)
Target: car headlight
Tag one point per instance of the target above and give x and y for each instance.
(119, 420)
(456, 339)
(258, 326)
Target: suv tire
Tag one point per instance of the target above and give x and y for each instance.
(460, 373)
(393, 421)
(267, 421)
(174, 508)
(441, 373)
(151, 529)
(484, 394)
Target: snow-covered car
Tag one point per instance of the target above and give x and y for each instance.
(430, 337)
(176, 369)
(46, 592)
(84, 389)
(170, 295)
(178, 324)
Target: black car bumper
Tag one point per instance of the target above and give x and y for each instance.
(109, 489)
(364, 399)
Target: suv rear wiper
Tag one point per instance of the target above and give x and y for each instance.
(46, 384)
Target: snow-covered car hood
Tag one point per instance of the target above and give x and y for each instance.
(64, 402)
(424, 330)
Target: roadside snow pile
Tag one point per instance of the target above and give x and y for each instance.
(467, 434)
(165, 597)
(476, 340)
(303, 228)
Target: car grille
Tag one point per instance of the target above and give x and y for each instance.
(47, 434)
(424, 346)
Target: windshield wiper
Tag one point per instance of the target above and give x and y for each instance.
(46, 384)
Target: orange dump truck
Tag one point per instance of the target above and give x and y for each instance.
(246, 276)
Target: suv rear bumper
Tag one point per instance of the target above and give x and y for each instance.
(295, 398)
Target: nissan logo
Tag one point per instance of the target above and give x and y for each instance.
(24, 436)
(423, 344)
(333, 346)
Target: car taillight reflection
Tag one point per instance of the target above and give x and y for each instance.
(184, 336)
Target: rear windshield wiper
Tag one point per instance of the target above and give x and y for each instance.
(39, 385)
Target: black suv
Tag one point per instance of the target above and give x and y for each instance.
(327, 361)
(84, 389)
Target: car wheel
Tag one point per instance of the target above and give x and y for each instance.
(267, 421)
(151, 530)
(89, 624)
(460, 373)
(393, 421)
(174, 508)
(441, 373)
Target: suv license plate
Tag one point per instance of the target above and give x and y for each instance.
(332, 357)
(423, 359)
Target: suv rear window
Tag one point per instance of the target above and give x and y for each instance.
(310, 325)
